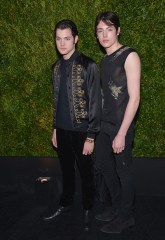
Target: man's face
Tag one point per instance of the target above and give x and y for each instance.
(107, 35)
(65, 42)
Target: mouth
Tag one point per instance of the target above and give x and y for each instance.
(105, 41)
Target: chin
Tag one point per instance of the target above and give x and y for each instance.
(106, 45)
(63, 52)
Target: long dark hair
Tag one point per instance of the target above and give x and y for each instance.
(109, 18)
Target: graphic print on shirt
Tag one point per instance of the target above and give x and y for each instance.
(115, 91)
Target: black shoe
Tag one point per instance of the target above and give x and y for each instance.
(57, 213)
(108, 215)
(87, 220)
(118, 225)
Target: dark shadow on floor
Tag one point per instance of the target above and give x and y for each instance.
(21, 219)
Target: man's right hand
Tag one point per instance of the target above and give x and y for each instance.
(54, 140)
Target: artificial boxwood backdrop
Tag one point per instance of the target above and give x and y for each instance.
(27, 54)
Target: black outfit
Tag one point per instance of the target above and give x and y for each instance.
(116, 168)
(83, 94)
(77, 106)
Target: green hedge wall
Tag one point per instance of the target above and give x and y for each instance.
(27, 54)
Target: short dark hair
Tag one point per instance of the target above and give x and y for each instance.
(66, 23)
(109, 18)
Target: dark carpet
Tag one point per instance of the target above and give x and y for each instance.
(21, 219)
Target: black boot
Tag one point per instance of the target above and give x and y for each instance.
(118, 225)
(108, 215)
(87, 219)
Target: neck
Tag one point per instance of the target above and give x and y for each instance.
(113, 48)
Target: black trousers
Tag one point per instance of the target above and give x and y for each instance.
(70, 147)
(117, 169)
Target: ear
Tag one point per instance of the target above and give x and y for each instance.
(76, 39)
(118, 31)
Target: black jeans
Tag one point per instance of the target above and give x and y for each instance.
(70, 147)
(117, 169)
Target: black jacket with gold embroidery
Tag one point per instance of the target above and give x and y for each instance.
(84, 94)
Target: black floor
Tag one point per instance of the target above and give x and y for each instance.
(21, 219)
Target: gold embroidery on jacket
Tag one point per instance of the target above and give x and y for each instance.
(78, 93)
(57, 79)
(56, 69)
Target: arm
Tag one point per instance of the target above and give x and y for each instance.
(133, 71)
(94, 93)
(54, 139)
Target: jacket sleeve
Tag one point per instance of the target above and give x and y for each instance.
(94, 92)
(54, 105)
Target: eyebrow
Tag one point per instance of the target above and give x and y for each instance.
(63, 37)
(105, 27)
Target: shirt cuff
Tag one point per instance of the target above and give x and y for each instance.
(91, 135)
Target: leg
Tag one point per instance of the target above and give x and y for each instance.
(85, 166)
(67, 162)
(125, 172)
(106, 162)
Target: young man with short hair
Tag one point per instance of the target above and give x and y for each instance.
(77, 108)
(120, 80)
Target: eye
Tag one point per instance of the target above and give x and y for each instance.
(57, 38)
(67, 38)
(99, 31)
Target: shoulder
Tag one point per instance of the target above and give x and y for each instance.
(87, 63)
(86, 58)
(129, 54)
(127, 50)
(56, 64)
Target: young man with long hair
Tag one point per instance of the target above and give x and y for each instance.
(120, 80)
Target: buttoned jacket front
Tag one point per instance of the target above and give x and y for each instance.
(84, 93)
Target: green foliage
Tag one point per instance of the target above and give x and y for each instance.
(27, 54)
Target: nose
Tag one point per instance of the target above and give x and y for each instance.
(105, 33)
(62, 42)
